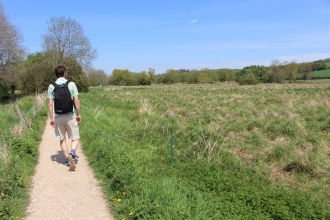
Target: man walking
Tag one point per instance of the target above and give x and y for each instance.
(66, 118)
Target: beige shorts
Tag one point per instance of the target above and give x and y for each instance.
(66, 123)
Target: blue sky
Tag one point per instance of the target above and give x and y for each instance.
(190, 34)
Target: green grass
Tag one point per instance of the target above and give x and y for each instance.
(313, 81)
(241, 152)
(322, 73)
(328, 64)
(18, 153)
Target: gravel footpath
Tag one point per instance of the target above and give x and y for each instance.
(57, 192)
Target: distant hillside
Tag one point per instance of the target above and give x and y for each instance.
(328, 64)
(322, 73)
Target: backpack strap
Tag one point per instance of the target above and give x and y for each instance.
(55, 85)
(66, 83)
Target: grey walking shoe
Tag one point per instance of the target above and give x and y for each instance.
(73, 155)
(72, 164)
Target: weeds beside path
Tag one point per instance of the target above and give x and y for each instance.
(57, 193)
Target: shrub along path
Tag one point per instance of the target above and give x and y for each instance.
(57, 192)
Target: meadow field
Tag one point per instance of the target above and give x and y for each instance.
(240, 152)
(322, 73)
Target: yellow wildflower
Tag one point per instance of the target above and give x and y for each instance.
(131, 213)
(124, 193)
(118, 200)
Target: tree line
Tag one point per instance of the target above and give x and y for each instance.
(277, 72)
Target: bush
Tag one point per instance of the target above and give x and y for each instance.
(82, 87)
(248, 79)
(3, 92)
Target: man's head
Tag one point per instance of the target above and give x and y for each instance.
(60, 71)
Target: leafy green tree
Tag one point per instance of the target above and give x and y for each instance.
(290, 70)
(192, 77)
(122, 77)
(35, 74)
(213, 76)
(76, 74)
(268, 76)
(146, 78)
(204, 76)
(222, 74)
(249, 79)
(98, 77)
(183, 76)
(258, 71)
(226, 75)
(160, 78)
(321, 66)
(278, 74)
(12, 52)
(171, 76)
(306, 70)
(152, 76)
(230, 76)
(142, 78)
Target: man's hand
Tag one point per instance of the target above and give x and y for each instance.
(52, 123)
(51, 113)
(78, 118)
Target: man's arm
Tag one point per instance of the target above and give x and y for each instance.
(77, 105)
(51, 111)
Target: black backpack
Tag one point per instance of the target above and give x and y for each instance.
(63, 102)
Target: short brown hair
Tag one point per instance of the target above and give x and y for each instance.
(60, 70)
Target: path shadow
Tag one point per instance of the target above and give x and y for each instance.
(59, 158)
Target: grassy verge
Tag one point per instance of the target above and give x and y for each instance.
(241, 152)
(19, 141)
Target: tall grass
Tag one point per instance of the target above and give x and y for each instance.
(252, 152)
(21, 126)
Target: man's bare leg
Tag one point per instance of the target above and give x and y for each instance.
(66, 154)
(74, 145)
(64, 148)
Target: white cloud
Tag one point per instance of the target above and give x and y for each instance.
(193, 21)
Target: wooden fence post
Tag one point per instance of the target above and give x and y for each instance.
(21, 119)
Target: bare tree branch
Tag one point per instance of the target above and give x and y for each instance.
(66, 39)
